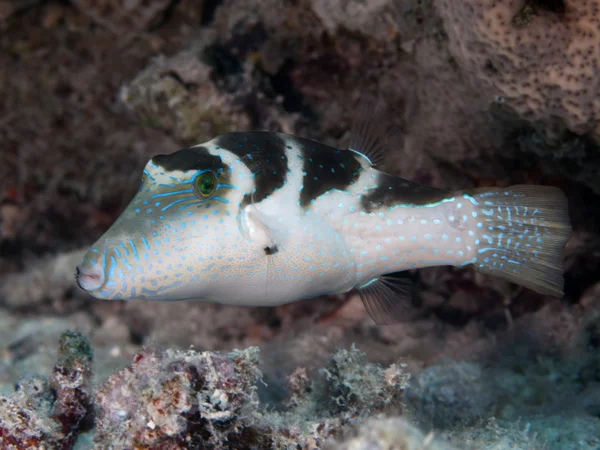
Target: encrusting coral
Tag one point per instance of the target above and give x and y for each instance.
(539, 58)
(535, 64)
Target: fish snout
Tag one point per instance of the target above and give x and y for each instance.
(89, 278)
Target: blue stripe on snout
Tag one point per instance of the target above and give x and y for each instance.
(181, 208)
(187, 199)
(167, 194)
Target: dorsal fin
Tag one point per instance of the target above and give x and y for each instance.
(388, 299)
(372, 131)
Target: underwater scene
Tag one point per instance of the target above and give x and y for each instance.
(300, 224)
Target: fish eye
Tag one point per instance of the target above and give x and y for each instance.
(206, 184)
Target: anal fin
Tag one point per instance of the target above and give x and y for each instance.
(388, 299)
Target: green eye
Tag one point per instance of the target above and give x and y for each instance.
(206, 184)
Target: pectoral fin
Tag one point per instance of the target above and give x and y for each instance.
(254, 227)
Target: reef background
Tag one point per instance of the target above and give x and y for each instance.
(485, 92)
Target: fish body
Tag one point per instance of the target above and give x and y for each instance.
(262, 219)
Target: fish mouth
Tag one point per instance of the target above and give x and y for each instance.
(89, 278)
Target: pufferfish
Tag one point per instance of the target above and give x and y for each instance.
(263, 219)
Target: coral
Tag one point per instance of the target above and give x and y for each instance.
(51, 413)
(534, 63)
(180, 398)
(357, 386)
(70, 383)
(25, 421)
(538, 58)
(300, 386)
(195, 399)
(178, 96)
(189, 399)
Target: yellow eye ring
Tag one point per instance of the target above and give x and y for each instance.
(206, 184)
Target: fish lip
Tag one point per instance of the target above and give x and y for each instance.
(88, 278)
(77, 273)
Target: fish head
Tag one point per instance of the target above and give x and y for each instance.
(172, 240)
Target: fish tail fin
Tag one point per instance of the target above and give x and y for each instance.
(521, 234)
